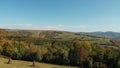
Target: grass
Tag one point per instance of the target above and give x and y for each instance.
(25, 64)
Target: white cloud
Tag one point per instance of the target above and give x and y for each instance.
(22, 25)
(47, 27)
(18, 26)
(64, 27)
(51, 28)
(78, 26)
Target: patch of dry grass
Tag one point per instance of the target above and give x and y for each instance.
(25, 64)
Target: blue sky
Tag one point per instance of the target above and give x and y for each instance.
(68, 15)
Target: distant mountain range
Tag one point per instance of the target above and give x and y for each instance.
(108, 34)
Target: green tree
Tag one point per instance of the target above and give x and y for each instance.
(99, 65)
(78, 55)
(111, 58)
(8, 49)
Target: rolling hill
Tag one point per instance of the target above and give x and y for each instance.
(55, 47)
(108, 34)
(58, 35)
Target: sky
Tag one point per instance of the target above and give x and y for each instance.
(67, 15)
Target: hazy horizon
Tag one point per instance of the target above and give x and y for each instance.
(63, 15)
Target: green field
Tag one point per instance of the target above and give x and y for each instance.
(25, 64)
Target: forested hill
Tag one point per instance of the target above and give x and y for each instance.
(60, 47)
(101, 38)
(56, 35)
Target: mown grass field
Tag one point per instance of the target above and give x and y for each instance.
(25, 64)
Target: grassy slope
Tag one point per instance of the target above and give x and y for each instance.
(25, 64)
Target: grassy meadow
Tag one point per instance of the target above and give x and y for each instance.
(26, 64)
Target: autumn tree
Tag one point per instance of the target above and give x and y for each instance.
(8, 49)
(78, 55)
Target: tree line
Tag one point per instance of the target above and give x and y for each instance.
(63, 52)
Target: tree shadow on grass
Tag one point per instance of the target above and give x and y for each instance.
(33, 66)
(5, 62)
(30, 65)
